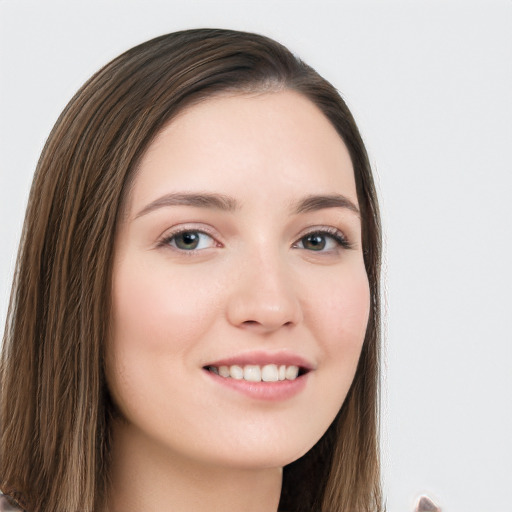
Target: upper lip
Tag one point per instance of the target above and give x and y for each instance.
(262, 358)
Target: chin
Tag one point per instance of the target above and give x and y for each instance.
(251, 454)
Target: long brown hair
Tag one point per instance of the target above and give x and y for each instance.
(54, 403)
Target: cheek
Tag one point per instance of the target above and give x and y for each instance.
(159, 319)
(339, 318)
(153, 307)
(341, 309)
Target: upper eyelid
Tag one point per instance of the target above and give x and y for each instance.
(209, 231)
(183, 228)
(322, 229)
(328, 230)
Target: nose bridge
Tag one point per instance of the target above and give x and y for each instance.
(264, 295)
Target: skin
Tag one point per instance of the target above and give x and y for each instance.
(184, 442)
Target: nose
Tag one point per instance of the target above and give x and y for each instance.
(263, 298)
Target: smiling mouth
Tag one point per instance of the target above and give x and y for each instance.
(257, 373)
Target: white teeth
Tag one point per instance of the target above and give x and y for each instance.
(256, 373)
(223, 371)
(252, 373)
(269, 373)
(292, 372)
(236, 372)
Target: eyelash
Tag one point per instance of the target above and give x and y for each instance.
(326, 232)
(168, 238)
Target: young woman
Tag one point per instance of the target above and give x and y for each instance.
(194, 323)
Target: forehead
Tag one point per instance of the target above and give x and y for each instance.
(240, 144)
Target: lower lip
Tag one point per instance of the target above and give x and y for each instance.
(269, 391)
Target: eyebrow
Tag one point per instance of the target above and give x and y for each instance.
(199, 200)
(226, 203)
(319, 202)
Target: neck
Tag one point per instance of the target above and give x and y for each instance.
(145, 476)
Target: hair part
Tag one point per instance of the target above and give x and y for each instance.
(54, 403)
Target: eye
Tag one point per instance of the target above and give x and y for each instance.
(323, 241)
(189, 240)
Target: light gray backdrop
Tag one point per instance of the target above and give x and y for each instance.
(430, 85)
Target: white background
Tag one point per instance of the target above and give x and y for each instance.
(430, 84)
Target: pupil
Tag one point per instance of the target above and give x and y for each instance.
(315, 242)
(187, 240)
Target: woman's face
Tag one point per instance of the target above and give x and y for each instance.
(238, 264)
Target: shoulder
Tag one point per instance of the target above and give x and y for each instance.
(8, 505)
